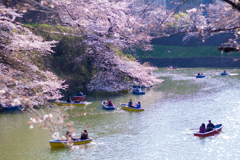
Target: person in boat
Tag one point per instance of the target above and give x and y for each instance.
(201, 74)
(198, 74)
(110, 104)
(137, 90)
(202, 128)
(69, 136)
(84, 134)
(210, 126)
(138, 105)
(80, 93)
(69, 99)
(224, 71)
(107, 103)
(130, 104)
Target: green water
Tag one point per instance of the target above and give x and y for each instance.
(179, 103)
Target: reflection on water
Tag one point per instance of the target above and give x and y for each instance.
(179, 103)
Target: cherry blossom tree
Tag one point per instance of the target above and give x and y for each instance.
(24, 83)
(108, 28)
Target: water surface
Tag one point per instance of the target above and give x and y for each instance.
(179, 103)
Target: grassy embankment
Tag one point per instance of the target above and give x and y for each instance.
(167, 51)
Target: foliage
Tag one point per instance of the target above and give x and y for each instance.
(103, 29)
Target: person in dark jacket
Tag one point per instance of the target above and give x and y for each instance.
(80, 93)
(84, 134)
(210, 126)
(110, 104)
(202, 128)
(69, 99)
(130, 104)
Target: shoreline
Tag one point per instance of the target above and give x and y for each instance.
(193, 62)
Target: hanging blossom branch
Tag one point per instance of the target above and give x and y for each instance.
(22, 82)
(109, 27)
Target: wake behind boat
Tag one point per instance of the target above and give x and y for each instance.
(125, 107)
(217, 128)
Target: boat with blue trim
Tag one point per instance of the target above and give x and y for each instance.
(105, 106)
(200, 76)
(138, 91)
(224, 74)
(60, 143)
(125, 107)
(217, 128)
(11, 108)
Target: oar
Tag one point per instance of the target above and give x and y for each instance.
(191, 129)
(98, 107)
(116, 106)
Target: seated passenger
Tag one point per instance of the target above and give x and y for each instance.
(224, 71)
(198, 74)
(107, 103)
(138, 105)
(68, 136)
(79, 93)
(69, 99)
(202, 128)
(130, 104)
(136, 90)
(110, 104)
(210, 126)
(84, 134)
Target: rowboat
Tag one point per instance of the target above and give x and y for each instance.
(216, 129)
(200, 76)
(171, 68)
(138, 92)
(106, 107)
(124, 106)
(224, 74)
(65, 103)
(59, 143)
(11, 108)
(81, 98)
